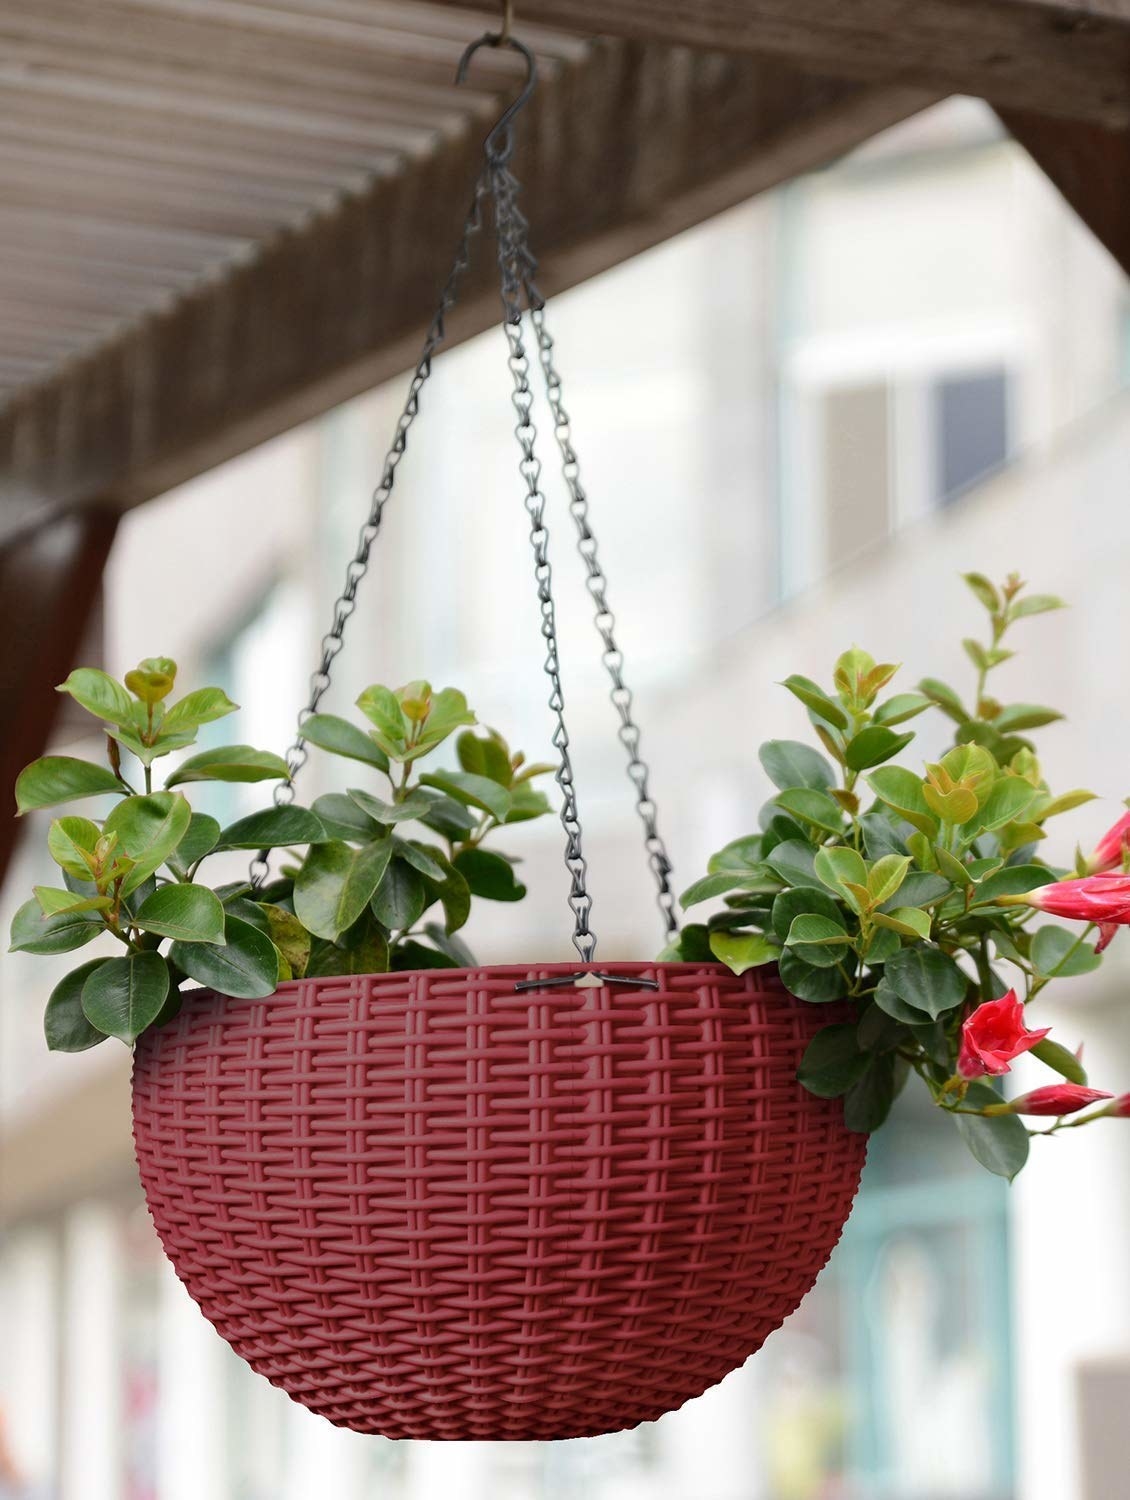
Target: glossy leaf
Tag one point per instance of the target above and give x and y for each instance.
(125, 995)
(740, 854)
(381, 708)
(790, 763)
(99, 694)
(485, 755)
(1059, 954)
(340, 737)
(839, 868)
(793, 861)
(274, 828)
(814, 808)
(998, 1142)
(411, 808)
(472, 791)
(816, 700)
(798, 902)
(488, 875)
(289, 937)
(68, 839)
(819, 941)
(1009, 798)
(246, 967)
(926, 979)
(190, 913)
(199, 839)
(832, 1062)
(399, 901)
(65, 1025)
(32, 932)
(341, 818)
(901, 707)
(873, 745)
(1058, 1058)
(238, 763)
(148, 829)
(62, 778)
(1013, 880)
(336, 884)
(53, 900)
(903, 791)
(200, 707)
(740, 951)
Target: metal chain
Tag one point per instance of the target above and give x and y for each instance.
(346, 602)
(604, 619)
(516, 267)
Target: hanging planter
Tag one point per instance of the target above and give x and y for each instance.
(435, 1200)
(491, 1203)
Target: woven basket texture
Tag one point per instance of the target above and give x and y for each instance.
(429, 1206)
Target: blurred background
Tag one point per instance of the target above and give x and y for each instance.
(913, 363)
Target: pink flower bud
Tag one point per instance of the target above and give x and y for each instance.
(993, 1035)
(1120, 1109)
(1110, 848)
(1104, 899)
(1054, 1099)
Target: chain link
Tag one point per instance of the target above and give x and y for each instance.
(604, 619)
(516, 266)
(346, 602)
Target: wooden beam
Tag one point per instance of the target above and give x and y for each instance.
(619, 151)
(1062, 57)
(1091, 168)
(50, 584)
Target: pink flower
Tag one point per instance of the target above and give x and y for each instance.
(1110, 848)
(993, 1035)
(1104, 899)
(1120, 1109)
(1054, 1099)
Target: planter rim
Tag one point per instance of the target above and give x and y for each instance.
(621, 967)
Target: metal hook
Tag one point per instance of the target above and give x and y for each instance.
(502, 127)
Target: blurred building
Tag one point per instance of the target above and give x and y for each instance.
(798, 424)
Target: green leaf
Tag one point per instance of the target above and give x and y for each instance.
(200, 707)
(903, 791)
(451, 946)
(148, 828)
(364, 949)
(412, 955)
(289, 937)
(421, 859)
(68, 839)
(998, 1142)
(868, 1102)
(840, 868)
(32, 932)
(1058, 954)
(873, 745)
(905, 920)
(880, 834)
(740, 855)
(123, 996)
(798, 902)
(945, 698)
(901, 707)
(789, 763)
(336, 884)
(1013, 880)
(230, 763)
(453, 890)
(274, 828)
(806, 982)
(894, 1006)
(883, 943)
(399, 900)
(885, 877)
(926, 979)
(487, 756)
(488, 875)
(61, 778)
(1010, 796)
(1066, 803)
(794, 862)
(957, 806)
(920, 888)
(832, 1062)
(340, 737)
(813, 807)
(99, 694)
(740, 951)
(717, 885)
(64, 1022)
(246, 967)
(199, 839)
(526, 802)
(447, 711)
(1020, 716)
(416, 805)
(341, 818)
(1034, 604)
(381, 708)
(984, 590)
(819, 941)
(1058, 1058)
(53, 900)
(817, 700)
(472, 791)
(450, 819)
(952, 868)
(190, 913)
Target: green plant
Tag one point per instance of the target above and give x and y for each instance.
(353, 903)
(911, 894)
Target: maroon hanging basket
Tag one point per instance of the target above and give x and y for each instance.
(430, 1206)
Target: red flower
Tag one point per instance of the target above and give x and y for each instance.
(1110, 848)
(993, 1035)
(1104, 899)
(1054, 1099)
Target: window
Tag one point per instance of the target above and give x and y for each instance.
(970, 421)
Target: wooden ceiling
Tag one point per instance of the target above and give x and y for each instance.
(221, 217)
